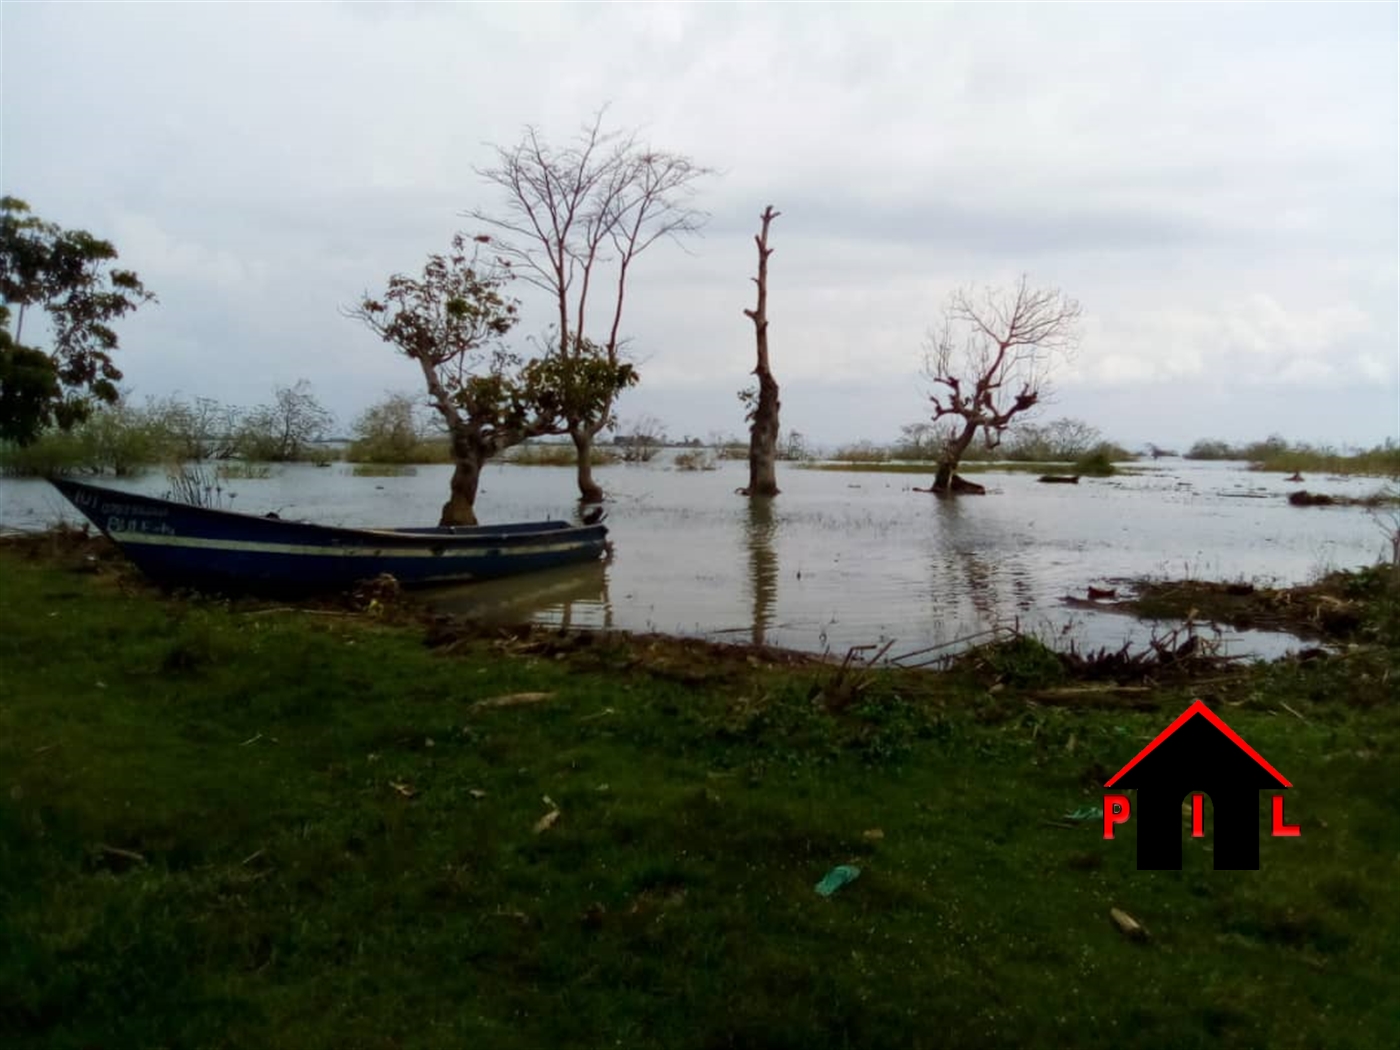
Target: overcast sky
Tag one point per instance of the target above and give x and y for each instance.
(1217, 185)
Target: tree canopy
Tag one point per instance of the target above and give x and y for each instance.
(70, 276)
(452, 321)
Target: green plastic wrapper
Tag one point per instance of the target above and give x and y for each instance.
(836, 878)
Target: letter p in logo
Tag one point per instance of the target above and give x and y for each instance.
(1115, 811)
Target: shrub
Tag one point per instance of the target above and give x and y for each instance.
(556, 454)
(1212, 449)
(1098, 462)
(862, 452)
(695, 459)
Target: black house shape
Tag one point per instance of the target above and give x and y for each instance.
(1198, 752)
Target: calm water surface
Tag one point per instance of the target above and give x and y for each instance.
(842, 559)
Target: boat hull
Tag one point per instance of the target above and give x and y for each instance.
(181, 545)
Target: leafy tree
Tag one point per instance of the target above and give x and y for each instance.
(29, 388)
(1211, 448)
(68, 274)
(452, 321)
(388, 432)
(641, 439)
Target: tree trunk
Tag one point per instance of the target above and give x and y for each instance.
(460, 509)
(947, 482)
(588, 489)
(763, 434)
(763, 440)
(943, 480)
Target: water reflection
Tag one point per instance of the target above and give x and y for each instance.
(760, 528)
(573, 595)
(962, 574)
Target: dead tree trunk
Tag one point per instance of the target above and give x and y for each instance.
(947, 481)
(763, 432)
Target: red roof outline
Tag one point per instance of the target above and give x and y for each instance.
(1199, 708)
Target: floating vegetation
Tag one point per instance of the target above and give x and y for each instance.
(557, 454)
(243, 471)
(1304, 498)
(696, 459)
(383, 470)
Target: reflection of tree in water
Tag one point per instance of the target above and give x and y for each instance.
(591, 597)
(760, 528)
(607, 598)
(561, 597)
(956, 556)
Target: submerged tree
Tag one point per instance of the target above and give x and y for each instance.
(390, 431)
(763, 415)
(68, 275)
(452, 321)
(990, 361)
(281, 431)
(573, 222)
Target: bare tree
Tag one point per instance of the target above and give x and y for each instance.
(202, 428)
(917, 441)
(282, 430)
(763, 416)
(641, 439)
(573, 222)
(451, 322)
(989, 363)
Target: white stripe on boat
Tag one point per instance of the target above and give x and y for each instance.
(253, 546)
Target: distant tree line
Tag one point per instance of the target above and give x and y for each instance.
(1058, 441)
(1214, 448)
(1276, 453)
(123, 438)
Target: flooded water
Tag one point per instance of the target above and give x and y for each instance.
(843, 559)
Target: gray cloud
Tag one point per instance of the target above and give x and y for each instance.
(1217, 183)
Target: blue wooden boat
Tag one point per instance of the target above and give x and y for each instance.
(181, 545)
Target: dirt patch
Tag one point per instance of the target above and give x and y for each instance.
(62, 544)
(688, 660)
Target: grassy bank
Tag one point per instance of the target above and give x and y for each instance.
(222, 825)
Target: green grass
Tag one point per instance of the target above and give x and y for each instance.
(289, 895)
(1382, 461)
(557, 454)
(416, 452)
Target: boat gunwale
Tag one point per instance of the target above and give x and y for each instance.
(514, 534)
